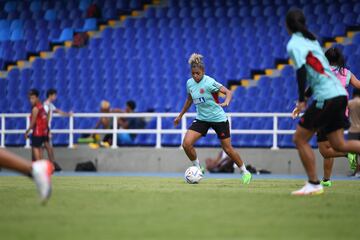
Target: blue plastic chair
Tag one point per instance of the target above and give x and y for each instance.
(35, 6)
(84, 4)
(16, 35)
(4, 34)
(356, 39)
(16, 24)
(90, 24)
(350, 19)
(50, 15)
(336, 18)
(66, 35)
(4, 24)
(10, 6)
(339, 30)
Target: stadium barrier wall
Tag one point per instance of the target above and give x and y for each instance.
(275, 131)
(167, 160)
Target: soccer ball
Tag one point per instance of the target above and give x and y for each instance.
(193, 175)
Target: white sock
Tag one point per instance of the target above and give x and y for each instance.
(196, 163)
(243, 169)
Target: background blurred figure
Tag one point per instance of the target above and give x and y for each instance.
(129, 123)
(221, 164)
(354, 114)
(50, 109)
(105, 123)
(38, 125)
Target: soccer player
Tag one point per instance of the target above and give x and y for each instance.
(38, 125)
(203, 92)
(50, 108)
(39, 171)
(328, 109)
(354, 116)
(337, 65)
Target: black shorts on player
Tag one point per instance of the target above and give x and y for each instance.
(222, 129)
(38, 142)
(322, 135)
(354, 136)
(329, 118)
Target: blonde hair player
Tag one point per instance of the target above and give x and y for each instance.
(203, 92)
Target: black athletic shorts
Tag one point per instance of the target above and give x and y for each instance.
(354, 136)
(38, 141)
(328, 119)
(322, 136)
(222, 129)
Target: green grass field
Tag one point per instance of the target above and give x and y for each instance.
(167, 208)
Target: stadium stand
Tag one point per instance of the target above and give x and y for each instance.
(145, 59)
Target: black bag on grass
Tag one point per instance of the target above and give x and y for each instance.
(85, 167)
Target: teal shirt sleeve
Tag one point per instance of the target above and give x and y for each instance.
(348, 77)
(214, 86)
(297, 55)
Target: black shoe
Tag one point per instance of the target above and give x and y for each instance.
(57, 167)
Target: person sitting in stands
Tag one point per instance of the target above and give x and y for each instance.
(129, 123)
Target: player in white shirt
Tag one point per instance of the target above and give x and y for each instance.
(50, 109)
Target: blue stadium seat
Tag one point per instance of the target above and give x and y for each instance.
(35, 6)
(66, 35)
(90, 24)
(50, 15)
(16, 35)
(84, 4)
(10, 6)
(4, 34)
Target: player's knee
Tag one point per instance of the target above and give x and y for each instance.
(340, 147)
(323, 153)
(297, 140)
(186, 144)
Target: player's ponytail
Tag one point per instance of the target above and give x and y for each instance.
(196, 60)
(336, 59)
(295, 21)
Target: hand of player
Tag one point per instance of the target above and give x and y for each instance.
(26, 135)
(224, 104)
(295, 113)
(301, 106)
(177, 120)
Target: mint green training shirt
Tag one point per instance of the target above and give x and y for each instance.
(325, 86)
(204, 96)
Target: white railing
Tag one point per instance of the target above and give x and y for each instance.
(159, 131)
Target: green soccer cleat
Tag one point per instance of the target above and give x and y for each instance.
(327, 183)
(202, 169)
(352, 158)
(246, 178)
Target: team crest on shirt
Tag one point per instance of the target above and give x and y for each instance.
(202, 91)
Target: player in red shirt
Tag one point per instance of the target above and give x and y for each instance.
(38, 125)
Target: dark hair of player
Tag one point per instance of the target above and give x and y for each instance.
(50, 92)
(295, 21)
(34, 92)
(131, 104)
(336, 58)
